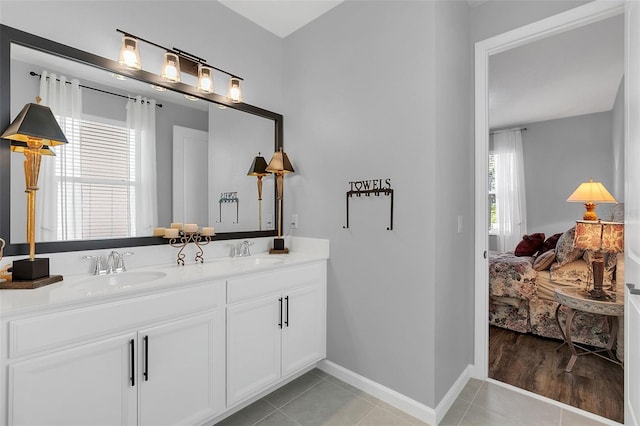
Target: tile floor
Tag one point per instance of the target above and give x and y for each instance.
(317, 398)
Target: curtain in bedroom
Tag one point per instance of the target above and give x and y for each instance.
(510, 191)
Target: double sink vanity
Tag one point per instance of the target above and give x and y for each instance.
(161, 345)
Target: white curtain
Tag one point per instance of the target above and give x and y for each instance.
(510, 190)
(59, 208)
(141, 122)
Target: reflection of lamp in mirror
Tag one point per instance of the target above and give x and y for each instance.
(279, 165)
(259, 169)
(33, 130)
(598, 236)
(590, 193)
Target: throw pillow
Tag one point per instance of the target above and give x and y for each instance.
(549, 243)
(565, 250)
(544, 260)
(529, 244)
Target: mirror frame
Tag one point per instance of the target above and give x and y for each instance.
(9, 35)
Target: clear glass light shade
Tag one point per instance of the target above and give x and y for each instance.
(171, 67)
(205, 79)
(129, 54)
(235, 92)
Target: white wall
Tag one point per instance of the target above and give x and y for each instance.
(617, 118)
(362, 102)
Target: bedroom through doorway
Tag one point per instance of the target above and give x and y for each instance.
(556, 108)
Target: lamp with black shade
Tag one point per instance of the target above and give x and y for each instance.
(33, 131)
(279, 165)
(259, 169)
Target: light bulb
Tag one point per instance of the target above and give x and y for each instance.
(129, 54)
(205, 81)
(171, 67)
(235, 92)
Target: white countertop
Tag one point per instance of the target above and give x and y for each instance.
(86, 288)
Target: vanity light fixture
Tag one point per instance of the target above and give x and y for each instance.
(259, 169)
(129, 53)
(171, 67)
(205, 79)
(279, 165)
(175, 63)
(33, 130)
(235, 91)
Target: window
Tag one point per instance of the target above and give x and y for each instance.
(97, 182)
(493, 211)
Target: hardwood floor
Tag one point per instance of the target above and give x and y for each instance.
(533, 363)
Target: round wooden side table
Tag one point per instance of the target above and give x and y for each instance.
(576, 299)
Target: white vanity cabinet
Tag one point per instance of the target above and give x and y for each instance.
(276, 326)
(149, 360)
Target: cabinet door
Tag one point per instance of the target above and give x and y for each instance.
(181, 372)
(253, 347)
(88, 385)
(303, 337)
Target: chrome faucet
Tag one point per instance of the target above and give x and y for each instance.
(241, 249)
(113, 263)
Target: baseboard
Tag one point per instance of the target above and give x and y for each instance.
(447, 401)
(398, 400)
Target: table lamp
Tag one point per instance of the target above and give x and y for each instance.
(279, 165)
(590, 193)
(259, 169)
(33, 131)
(599, 237)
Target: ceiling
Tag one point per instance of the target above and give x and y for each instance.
(574, 73)
(281, 17)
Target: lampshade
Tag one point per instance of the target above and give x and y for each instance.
(599, 236)
(591, 193)
(35, 122)
(235, 91)
(280, 163)
(205, 79)
(171, 67)
(129, 53)
(258, 166)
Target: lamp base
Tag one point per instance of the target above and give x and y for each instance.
(30, 284)
(29, 270)
(597, 293)
(278, 247)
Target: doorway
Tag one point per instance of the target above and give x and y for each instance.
(573, 19)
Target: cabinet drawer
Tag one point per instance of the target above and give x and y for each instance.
(43, 332)
(248, 287)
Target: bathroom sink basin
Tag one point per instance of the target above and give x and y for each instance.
(258, 260)
(123, 279)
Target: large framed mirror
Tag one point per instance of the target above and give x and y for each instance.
(99, 193)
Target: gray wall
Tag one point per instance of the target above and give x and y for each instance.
(558, 156)
(617, 118)
(498, 16)
(367, 83)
